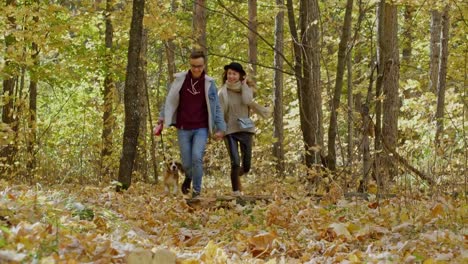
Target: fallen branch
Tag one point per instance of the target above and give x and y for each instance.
(406, 163)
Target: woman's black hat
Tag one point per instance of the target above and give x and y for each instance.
(236, 67)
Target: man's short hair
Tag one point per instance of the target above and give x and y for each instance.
(197, 54)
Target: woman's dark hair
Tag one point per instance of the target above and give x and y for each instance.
(249, 81)
(242, 76)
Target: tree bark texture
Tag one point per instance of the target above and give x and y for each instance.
(32, 124)
(141, 160)
(350, 138)
(436, 18)
(444, 38)
(389, 70)
(199, 25)
(340, 68)
(307, 72)
(310, 99)
(132, 121)
(108, 118)
(278, 129)
(8, 152)
(408, 37)
(252, 36)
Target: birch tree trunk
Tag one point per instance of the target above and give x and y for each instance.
(340, 68)
(278, 129)
(132, 121)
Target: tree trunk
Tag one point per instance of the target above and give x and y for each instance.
(132, 121)
(408, 38)
(311, 91)
(340, 68)
(434, 50)
(278, 131)
(32, 124)
(307, 73)
(444, 37)
(8, 152)
(108, 118)
(141, 165)
(389, 67)
(252, 36)
(199, 25)
(367, 128)
(350, 100)
(170, 51)
(171, 68)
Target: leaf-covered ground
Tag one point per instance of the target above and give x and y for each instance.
(87, 224)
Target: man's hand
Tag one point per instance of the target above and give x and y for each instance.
(219, 135)
(157, 130)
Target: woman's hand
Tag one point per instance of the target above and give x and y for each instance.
(219, 135)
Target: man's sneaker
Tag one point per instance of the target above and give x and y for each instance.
(186, 185)
(237, 193)
(195, 195)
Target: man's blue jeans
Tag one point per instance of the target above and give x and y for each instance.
(192, 144)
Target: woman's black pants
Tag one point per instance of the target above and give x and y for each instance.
(242, 140)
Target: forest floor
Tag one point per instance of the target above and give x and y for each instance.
(89, 224)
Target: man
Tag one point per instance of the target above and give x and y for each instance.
(192, 106)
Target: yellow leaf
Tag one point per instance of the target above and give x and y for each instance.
(437, 210)
(354, 258)
(372, 188)
(341, 230)
(429, 261)
(213, 254)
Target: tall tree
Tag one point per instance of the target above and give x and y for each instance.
(132, 119)
(141, 165)
(408, 37)
(278, 131)
(108, 118)
(7, 153)
(444, 38)
(32, 124)
(350, 138)
(199, 25)
(388, 67)
(307, 73)
(252, 36)
(340, 68)
(436, 18)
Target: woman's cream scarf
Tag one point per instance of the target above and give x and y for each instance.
(237, 87)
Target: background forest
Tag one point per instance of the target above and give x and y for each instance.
(369, 100)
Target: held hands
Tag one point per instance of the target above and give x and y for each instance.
(219, 135)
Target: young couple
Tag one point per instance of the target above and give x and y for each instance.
(194, 106)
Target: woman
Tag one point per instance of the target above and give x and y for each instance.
(236, 99)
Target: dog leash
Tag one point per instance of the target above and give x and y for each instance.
(163, 148)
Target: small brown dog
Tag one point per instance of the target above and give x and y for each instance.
(171, 176)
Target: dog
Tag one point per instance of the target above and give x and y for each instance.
(171, 176)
